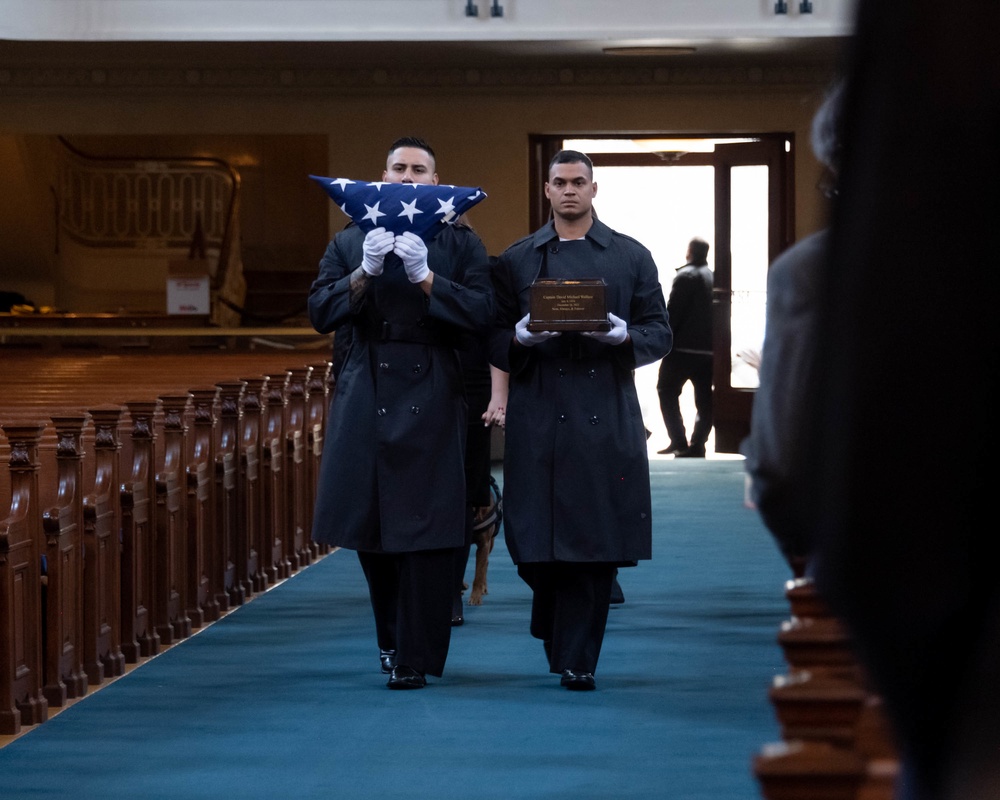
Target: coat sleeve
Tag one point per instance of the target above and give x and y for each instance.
(463, 295)
(329, 296)
(650, 338)
(507, 313)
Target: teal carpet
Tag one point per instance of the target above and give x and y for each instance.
(283, 697)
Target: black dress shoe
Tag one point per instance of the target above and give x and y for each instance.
(387, 659)
(673, 448)
(404, 677)
(547, 645)
(457, 620)
(690, 452)
(577, 681)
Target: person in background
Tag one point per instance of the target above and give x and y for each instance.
(392, 479)
(690, 358)
(787, 361)
(576, 475)
(899, 515)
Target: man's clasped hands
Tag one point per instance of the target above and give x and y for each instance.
(408, 246)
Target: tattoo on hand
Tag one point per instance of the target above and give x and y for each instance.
(358, 286)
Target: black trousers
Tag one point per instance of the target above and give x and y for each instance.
(677, 369)
(569, 610)
(411, 596)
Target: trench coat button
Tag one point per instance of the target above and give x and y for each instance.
(562, 417)
(414, 409)
(381, 412)
(383, 365)
(416, 368)
(562, 372)
(592, 372)
(594, 420)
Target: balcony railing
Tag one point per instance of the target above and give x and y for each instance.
(188, 204)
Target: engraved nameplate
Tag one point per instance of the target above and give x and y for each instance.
(569, 305)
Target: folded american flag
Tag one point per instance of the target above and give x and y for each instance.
(421, 208)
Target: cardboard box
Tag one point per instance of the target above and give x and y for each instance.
(188, 288)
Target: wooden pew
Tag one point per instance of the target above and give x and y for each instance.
(102, 652)
(169, 588)
(836, 744)
(274, 485)
(296, 474)
(139, 638)
(251, 519)
(200, 477)
(230, 540)
(168, 495)
(62, 526)
(317, 400)
(21, 698)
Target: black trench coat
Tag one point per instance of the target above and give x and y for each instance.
(576, 475)
(392, 476)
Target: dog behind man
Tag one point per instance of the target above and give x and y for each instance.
(486, 526)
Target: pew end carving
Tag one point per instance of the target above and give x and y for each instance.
(835, 744)
(21, 698)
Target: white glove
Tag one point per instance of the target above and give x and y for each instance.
(531, 338)
(378, 244)
(412, 250)
(617, 334)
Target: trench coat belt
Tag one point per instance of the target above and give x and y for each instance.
(417, 333)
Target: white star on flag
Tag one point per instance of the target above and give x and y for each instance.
(372, 213)
(447, 210)
(424, 209)
(410, 210)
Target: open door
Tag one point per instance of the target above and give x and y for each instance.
(753, 224)
(662, 189)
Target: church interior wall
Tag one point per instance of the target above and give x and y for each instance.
(480, 134)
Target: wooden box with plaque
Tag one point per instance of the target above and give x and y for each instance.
(568, 305)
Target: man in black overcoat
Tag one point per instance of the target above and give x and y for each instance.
(576, 475)
(392, 480)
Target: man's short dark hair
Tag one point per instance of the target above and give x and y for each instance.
(412, 141)
(699, 251)
(572, 157)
